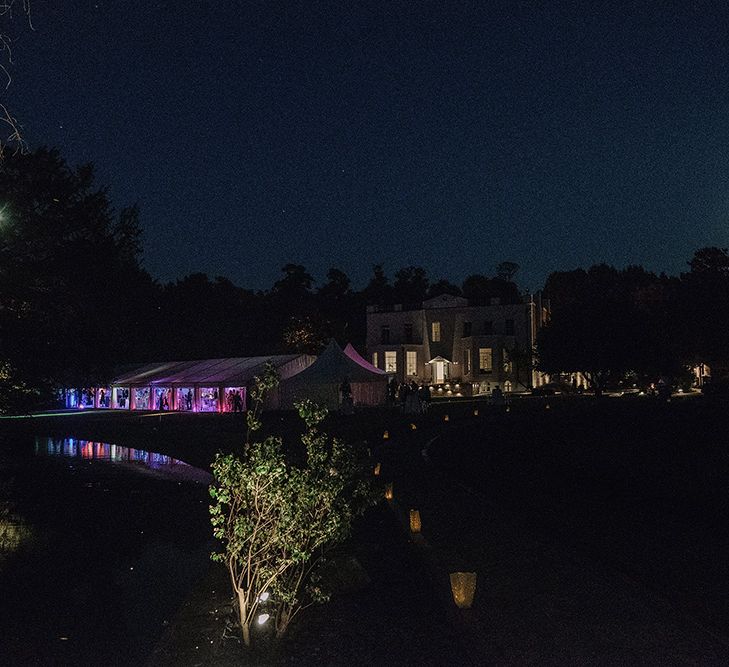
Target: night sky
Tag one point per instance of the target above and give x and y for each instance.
(451, 135)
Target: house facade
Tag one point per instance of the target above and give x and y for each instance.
(446, 341)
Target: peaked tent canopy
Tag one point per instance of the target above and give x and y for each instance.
(322, 381)
(356, 356)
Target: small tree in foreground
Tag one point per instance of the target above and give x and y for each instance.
(277, 520)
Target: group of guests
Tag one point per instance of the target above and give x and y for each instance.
(235, 402)
(410, 396)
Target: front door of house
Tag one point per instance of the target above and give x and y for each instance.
(439, 372)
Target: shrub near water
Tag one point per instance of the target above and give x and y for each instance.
(276, 520)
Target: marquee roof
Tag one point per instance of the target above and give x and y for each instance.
(356, 356)
(333, 366)
(236, 371)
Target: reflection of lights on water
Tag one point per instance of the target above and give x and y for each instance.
(104, 451)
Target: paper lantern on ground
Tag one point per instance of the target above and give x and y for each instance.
(445, 418)
(463, 587)
(414, 521)
(413, 427)
(386, 435)
(546, 407)
(508, 408)
(377, 470)
(388, 491)
(475, 412)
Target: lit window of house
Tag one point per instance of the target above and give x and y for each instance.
(374, 360)
(391, 361)
(412, 362)
(435, 332)
(485, 360)
(467, 360)
(508, 365)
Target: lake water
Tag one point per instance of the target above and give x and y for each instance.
(99, 545)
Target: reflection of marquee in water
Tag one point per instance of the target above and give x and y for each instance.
(104, 451)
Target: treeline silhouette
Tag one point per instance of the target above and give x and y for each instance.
(76, 304)
(609, 323)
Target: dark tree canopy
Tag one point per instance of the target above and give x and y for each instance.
(441, 287)
(480, 290)
(411, 285)
(506, 271)
(72, 290)
(378, 290)
(607, 323)
(710, 261)
(704, 308)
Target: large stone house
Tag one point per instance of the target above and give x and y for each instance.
(461, 348)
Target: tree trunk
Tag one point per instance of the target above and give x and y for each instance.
(282, 621)
(245, 626)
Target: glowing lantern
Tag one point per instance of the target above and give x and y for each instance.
(386, 435)
(546, 407)
(377, 470)
(414, 521)
(413, 427)
(445, 418)
(463, 587)
(475, 412)
(388, 491)
(508, 408)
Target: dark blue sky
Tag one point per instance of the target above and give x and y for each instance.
(451, 135)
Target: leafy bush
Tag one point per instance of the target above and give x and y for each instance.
(277, 520)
